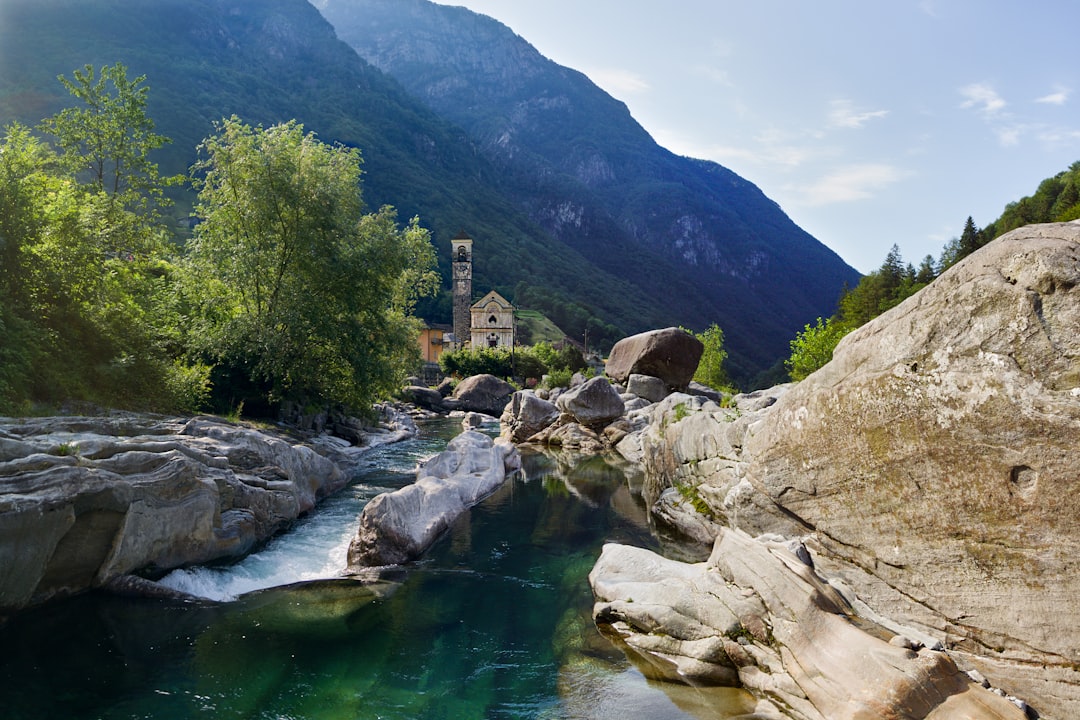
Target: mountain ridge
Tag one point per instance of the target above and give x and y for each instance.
(591, 176)
(278, 60)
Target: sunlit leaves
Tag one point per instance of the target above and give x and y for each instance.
(291, 278)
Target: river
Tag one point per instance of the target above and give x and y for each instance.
(494, 622)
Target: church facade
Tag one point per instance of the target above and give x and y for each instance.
(492, 322)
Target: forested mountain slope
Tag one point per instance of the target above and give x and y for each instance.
(589, 222)
(269, 61)
(583, 168)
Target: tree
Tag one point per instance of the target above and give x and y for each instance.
(82, 275)
(107, 141)
(710, 369)
(289, 281)
(970, 241)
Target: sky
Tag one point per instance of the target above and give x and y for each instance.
(870, 122)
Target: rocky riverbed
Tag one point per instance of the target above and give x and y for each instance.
(84, 501)
(929, 471)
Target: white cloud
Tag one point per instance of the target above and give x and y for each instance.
(772, 147)
(843, 114)
(982, 97)
(1058, 97)
(1057, 137)
(847, 184)
(1010, 135)
(618, 82)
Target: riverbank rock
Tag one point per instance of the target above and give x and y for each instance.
(525, 415)
(932, 463)
(670, 354)
(399, 526)
(757, 615)
(482, 393)
(594, 403)
(85, 500)
(424, 397)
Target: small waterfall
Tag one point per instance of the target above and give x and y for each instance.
(314, 549)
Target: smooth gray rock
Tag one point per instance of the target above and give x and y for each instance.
(84, 501)
(526, 415)
(484, 394)
(651, 388)
(755, 615)
(933, 462)
(425, 397)
(397, 527)
(594, 403)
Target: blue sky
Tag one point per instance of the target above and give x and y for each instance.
(871, 122)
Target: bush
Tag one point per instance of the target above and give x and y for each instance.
(814, 346)
(477, 361)
(557, 378)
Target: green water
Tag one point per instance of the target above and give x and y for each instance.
(493, 623)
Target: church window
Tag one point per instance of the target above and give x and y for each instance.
(462, 255)
(493, 320)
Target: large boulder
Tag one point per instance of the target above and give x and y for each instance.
(757, 615)
(84, 501)
(483, 394)
(933, 461)
(399, 526)
(670, 354)
(526, 415)
(595, 403)
(424, 397)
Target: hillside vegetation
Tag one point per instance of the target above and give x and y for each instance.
(272, 62)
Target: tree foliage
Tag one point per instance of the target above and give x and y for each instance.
(289, 289)
(710, 370)
(83, 273)
(813, 347)
(289, 280)
(529, 362)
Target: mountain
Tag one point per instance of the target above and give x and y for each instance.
(268, 61)
(584, 170)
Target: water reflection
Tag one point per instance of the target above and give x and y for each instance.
(494, 622)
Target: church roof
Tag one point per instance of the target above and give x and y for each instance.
(482, 302)
(462, 236)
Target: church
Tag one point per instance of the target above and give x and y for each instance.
(488, 322)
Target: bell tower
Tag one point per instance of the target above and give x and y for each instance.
(461, 261)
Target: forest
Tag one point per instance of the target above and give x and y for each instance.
(285, 289)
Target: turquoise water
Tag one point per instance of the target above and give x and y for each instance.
(494, 622)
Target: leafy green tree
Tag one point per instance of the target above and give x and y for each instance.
(107, 141)
(83, 275)
(467, 362)
(813, 347)
(710, 370)
(290, 282)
